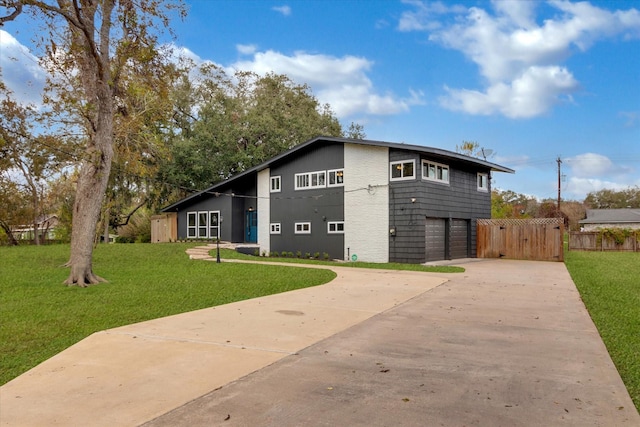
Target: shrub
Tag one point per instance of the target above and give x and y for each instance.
(316, 255)
(325, 256)
(299, 254)
(290, 254)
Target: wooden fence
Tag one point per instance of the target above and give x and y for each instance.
(164, 228)
(537, 239)
(596, 241)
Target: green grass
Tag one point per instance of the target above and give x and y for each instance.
(609, 283)
(39, 316)
(230, 254)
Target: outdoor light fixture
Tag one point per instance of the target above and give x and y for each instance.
(392, 231)
(218, 241)
(413, 200)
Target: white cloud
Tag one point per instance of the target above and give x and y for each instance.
(528, 95)
(341, 82)
(21, 71)
(590, 165)
(285, 10)
(583, 186)
(519, 59)
(246, 49)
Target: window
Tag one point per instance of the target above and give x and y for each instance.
(403, 170)
(275, 228)
(303, 228)
(214, 226)
(191, 225)
(305, 181)
(275, 184)
(336, 178)
(435, 171)
(335, 227)
(483, 182)
(203, 225)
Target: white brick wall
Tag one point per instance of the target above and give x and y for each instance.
(366, 202)
(264, 211)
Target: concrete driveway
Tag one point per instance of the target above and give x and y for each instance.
(507, 343)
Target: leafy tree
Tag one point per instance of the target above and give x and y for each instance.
(474, 149)
(92, 44)
(356, 131)
(225, 125)
(27, 161)
(612, 199)
(509, 204)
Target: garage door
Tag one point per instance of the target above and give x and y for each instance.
(434, 239)
(459, 242)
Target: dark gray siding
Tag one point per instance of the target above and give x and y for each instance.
(231, 202)
(460, 200)
(317, 206)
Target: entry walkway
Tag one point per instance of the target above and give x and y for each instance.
(507, 343)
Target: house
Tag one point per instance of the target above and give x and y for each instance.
(611, 218)
(351, 199)
(46, 225)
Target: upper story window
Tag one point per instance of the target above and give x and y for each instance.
(336, 178)
(310, 180)
(483, 182)
(435, 171)
(275, 184)
(404, 169)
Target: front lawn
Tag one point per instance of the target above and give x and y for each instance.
(609, 283)
(39, 316)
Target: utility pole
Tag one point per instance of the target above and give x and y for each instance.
(559, 184)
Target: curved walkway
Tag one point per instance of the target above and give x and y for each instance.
(132, 374)
(507, 343)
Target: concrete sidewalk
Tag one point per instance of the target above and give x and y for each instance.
(130, 375)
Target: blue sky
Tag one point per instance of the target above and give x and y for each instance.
(530, 80)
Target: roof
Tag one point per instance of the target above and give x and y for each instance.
(400, 146)
(610, 216)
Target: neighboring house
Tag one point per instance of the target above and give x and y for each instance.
(610, 218)
(46, 229)
(352, 199)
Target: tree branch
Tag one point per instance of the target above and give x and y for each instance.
(128, 217)
(9, 4)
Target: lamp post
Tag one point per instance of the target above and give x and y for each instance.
(218, 241)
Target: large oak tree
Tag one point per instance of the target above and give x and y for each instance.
(92, 43)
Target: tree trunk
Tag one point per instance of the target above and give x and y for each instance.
(7, 230)
(90, 192)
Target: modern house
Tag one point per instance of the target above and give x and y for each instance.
(611, 218)
(352, 199)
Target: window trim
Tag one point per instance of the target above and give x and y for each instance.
(194, 231)
(402, 162)
(275, 228)
(479, 182)
(302, 227)
(309, 176)
(194, 227)
(436, 179)
(336, 223)
(335, 171)
(274, 179)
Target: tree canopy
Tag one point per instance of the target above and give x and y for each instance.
(614, 199)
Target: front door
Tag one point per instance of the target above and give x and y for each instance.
(251, 227)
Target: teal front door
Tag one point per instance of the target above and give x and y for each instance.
(251, 227)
